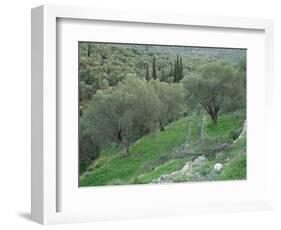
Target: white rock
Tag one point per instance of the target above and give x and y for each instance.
(186, 167)
(218, 167)
(200, 159)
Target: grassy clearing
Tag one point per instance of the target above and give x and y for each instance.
(153, 155)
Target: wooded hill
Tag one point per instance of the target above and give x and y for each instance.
(130, 93)
(103, 65)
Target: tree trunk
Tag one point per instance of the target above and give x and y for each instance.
(124, 143)
(162, 128)
(89, 51)
(214, 117)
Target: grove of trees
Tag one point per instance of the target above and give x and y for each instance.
(129, 91)
(134, 108)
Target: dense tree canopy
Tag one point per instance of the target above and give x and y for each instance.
(88, 148)
(124, 113)
(171, 98)
(105, 65)
(216, 86)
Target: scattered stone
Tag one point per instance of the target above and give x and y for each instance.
(182, 174)
(200, 160)
(175, 176)
(218, 167)
(242, 132)
(186, 168)
(198, 177)
(224, 145)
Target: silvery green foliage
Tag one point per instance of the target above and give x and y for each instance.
(171, 98)
(216, 86)
(123, 113)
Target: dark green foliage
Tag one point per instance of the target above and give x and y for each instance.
(147, 77)
(242, 69)
(89, 50)
(172, 72)
(162, 75)
(88, 149)
(178, 70)
(154, 75)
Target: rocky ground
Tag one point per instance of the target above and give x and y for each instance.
(190, 171)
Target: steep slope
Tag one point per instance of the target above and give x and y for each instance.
(163, 153)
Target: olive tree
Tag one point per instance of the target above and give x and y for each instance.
(216, 87)
(123, 113)
(88, 148)
(171, 98)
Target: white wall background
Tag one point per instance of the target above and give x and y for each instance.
(15, 112)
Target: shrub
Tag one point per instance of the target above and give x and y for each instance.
(88, 150)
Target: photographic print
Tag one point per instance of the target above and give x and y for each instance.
(152, 114)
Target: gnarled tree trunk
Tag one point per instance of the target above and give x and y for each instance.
(214, 117)
(162, 128)
(124, 143)
(212, 111)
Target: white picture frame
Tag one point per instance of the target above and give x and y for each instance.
(46, 195)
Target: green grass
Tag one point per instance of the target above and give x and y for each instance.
(235, 169)
(148, 150)
(226, 123)
(165, 168)
(153, 155)
(194, 129)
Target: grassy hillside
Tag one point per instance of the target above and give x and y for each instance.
(164, 152)
(147, 153)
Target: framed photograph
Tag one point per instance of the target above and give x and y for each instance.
(138, 114)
